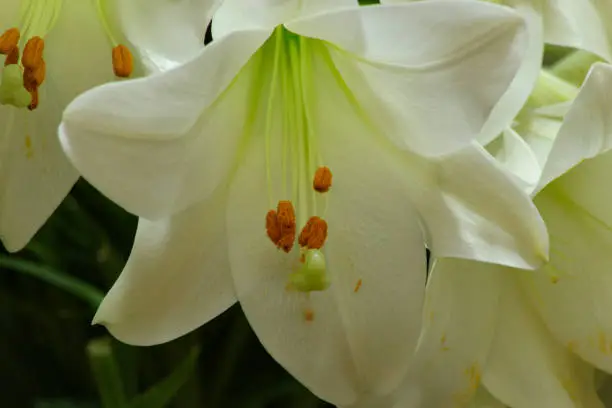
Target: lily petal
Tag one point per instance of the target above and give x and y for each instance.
(484, 399)
(364, 327)
(176, 279)
(405, 84)
(574, 298)
(583, 24)
(165, 144)
(165, 33)
(35, 175)
(526, 368)
(586, 130)
(235, 15)
(513, 152)
(523, 83)
(475, 211)
(460, 317)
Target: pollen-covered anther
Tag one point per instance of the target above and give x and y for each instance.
(280, 225)
(33, 53)
(12, 57)
(322, 179)
(9, 40)
(34, 103)
(314, 233)
(32, 79)
(286, 220)
(123, 62)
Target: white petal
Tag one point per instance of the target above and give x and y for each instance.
(164, 32)
(518, 158)
(159, 144)
(35, 175)
(587, 129)
(523, 83)
(526, 368)
(406, 84)
(484, 399)
(474, 210)
(235, 15)
(539, 132)
(176, 279)
(583, 24)
(575, 297)
(366, 324)
(75, 63)
(460, 317)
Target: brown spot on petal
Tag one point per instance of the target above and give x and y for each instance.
(123, 62)
(314, 233)
(358, 286)
(322, 179)
(309, 315)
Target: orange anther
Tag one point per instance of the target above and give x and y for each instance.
(9, 40)
(34, 104)
(314, 233)
(272, 227)
(33, 53)
(280, 225)
(123, 62)
(286, 221)
(32, 79)
(358, 286)
(12, 57)
(322, 179)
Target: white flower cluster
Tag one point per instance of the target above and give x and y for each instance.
(302, 162)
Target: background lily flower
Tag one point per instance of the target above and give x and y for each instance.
(534, 338)
(51, 52)
(222, 150)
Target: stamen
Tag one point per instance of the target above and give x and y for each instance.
(286, 222)
(9, 40)
(272, 227)
(314, 233)
(280, 225)
(33, 53)
(12, 58)
(34, 103)
(322, 179)
(32, 79)
(123, 62)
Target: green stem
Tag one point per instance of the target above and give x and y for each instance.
(106, 373)
(574, 67)
(70, 284)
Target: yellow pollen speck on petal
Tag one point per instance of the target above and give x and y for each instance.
(570, 387)
(602, 344)
(9, 40)
(443, 345)
(322, 179)
(33, 53)
(358, 285)
(29, 151)
(474, 375)
(123, 61)
(571, 346)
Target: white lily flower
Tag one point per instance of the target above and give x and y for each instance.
(57, 49)
(380, 97)
(534, 338)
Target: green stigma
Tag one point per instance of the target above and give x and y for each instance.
(12, 91)
(312, 276)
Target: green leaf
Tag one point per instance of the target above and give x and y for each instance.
(106, 372)
(70, 284)
(163, 392)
